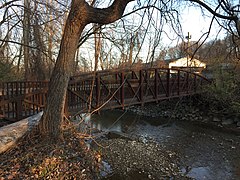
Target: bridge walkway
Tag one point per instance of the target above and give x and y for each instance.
(91, 92)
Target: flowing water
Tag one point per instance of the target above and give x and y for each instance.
(204, 153)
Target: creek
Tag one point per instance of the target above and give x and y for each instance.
(201, 152)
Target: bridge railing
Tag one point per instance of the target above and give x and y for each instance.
(21, 99)
(129, 87)
(101, 90)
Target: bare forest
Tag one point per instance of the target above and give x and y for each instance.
(56, 41)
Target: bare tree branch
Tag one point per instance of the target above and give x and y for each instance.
(107, 15)
(8, 3)
(226, 8)
(203, 4)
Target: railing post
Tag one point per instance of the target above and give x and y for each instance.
(97, 90)
(132, 74)
(141, 86)
(7, 90)
(66, 111)
(18, 104)
(156, 84)
(122, 89)
(195, 83)
(168, 83)
(178, 83)
(187, 82)
(3, 89)
(16, 88)
(18, 109)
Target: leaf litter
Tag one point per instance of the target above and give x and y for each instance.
(39, 159)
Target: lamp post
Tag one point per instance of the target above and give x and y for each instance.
(188, 37)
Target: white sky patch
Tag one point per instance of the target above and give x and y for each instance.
(196, 24)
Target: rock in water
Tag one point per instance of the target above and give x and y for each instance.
(215, 119)
(238, 124)
(227, 121)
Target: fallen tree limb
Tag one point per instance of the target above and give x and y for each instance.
(12, 133)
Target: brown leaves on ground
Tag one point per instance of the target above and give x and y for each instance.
(35, 159)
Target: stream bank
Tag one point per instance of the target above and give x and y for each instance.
(164, 142)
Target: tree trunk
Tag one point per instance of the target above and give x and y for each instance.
(39, 65)
(26, 38)
(131, 50)
(79, 16)
(50, 27)
(54, 110)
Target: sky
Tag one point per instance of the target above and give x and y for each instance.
(197, 25)
(192, 21)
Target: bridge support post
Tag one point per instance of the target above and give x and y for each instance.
(97, 90)
(156, 85)
(187, 82)
(122, 89)
(18, 103)
(141, 87)
(195, 83)
(178, 83)
(168, 83)
(18, 109)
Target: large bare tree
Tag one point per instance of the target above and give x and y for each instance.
(80, 15)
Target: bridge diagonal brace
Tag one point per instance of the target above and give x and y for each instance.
(173, 83)
(78, 95)
(93, 98)
(133, 91)
(160, 79)
(149, 87)
(110, 92)
(134, 75)
(184, 85)
(33, 103)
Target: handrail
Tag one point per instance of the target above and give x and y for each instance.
(118, 87)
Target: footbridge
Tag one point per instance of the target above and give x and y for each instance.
(91, 92)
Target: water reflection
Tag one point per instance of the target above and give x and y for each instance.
(115, 120)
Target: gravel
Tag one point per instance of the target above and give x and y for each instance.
(131, 158)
